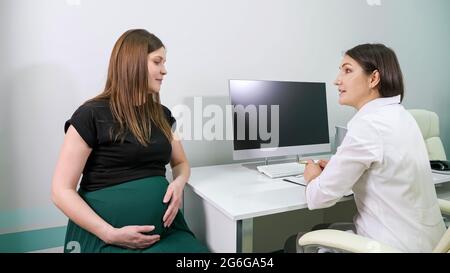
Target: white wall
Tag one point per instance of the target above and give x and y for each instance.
(54, 56)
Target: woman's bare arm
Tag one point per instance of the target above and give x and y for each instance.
(73, 157)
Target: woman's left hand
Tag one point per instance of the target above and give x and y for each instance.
(312, 170)
(174, 194)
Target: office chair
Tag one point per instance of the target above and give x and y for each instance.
(429, 126)
(349, 242)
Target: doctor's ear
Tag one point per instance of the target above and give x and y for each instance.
(374, 79)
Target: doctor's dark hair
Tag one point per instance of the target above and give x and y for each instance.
(378, 57)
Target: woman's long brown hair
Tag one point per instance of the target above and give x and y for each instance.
(127, 87)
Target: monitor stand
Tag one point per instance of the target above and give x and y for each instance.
(253, 165)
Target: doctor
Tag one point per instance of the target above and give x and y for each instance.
(383, 158)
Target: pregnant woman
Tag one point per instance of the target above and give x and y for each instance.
(121, 141)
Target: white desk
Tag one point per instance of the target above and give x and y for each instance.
(221, 201)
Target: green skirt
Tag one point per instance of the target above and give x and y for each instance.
(137, 202)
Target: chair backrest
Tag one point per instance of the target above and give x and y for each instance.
(428, 123)
(429, 126)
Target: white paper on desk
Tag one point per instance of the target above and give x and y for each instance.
(297, 180)
(301, 181)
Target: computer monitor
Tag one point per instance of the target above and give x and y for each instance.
(278, 118)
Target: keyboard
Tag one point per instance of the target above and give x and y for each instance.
(282, 170)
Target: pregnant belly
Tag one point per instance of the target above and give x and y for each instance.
(137, 202)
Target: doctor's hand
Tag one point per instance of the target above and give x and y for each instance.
(174, 194)
(312, 170)
(323, 163)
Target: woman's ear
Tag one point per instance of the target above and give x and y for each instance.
(374, 79)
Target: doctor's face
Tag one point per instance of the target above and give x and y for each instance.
(353, 84)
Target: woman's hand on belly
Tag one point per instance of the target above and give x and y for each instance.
(132, 237)
(174, 194)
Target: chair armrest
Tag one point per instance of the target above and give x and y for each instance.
(444, 206)
(341, 240)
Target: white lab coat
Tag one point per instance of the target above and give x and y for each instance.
(383, 159)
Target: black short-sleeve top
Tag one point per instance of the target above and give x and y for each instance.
(112, 161)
